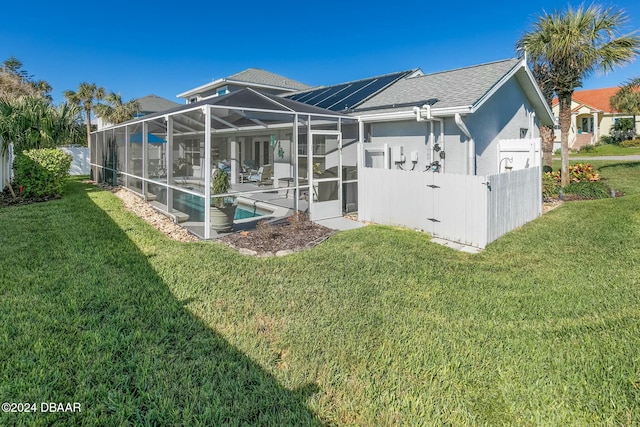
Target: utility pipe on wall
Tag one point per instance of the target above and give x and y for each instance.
(424, 114)
(471, 163)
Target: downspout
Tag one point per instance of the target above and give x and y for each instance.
(424, 114)
(442, 159)
(471, 163)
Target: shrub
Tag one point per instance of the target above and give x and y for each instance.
(299, 220)
(587, 149)
(41, 172)
(588, 190)
(550, 185)
(606, 139)
(630, 143)
(623, 129)
(266, 230)
(582, 172)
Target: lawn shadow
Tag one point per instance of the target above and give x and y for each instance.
(620, 164)
(99, 326)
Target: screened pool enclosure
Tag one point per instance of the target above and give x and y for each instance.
(280, 155)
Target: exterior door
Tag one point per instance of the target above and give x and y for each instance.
(325, 160)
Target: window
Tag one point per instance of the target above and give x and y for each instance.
(192, 100)
(222, 91)
(523, 133)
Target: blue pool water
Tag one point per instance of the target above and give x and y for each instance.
(194, 207)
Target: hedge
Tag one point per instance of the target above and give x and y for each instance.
(41, 172)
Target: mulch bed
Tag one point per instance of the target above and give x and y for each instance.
(267, 240)
(7, 199)
(283, 239)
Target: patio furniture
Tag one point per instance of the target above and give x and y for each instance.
(263, 176)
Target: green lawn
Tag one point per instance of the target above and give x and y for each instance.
(376, 326)
(607, 150)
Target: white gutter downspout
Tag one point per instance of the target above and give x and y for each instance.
(424, 114)
(471, 163)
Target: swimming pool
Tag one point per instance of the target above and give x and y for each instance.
(193, 206)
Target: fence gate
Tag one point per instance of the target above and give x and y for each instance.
(457, 207)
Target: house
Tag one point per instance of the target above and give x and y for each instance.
(591, 116)
(255, 78)
(149, 104)
(154, 104)
(421, 150)
(452, 120)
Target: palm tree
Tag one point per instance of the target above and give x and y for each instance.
(627, 100)
(32, 122)
(115, 111)
(572, 46)
(87, 95)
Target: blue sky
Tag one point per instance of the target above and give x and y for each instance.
(143, 47)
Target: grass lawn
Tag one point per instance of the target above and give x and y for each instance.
(376, 326)
(607, 150)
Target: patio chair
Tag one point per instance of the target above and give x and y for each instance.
(263, 176)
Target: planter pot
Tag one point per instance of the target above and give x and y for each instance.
(222, 218)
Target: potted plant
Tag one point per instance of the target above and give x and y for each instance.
(223, 209)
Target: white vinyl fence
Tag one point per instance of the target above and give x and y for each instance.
(80, 162)
(516, 154)
(469, 209)
(6, 161)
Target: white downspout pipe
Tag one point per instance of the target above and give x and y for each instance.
(471, 163)
(442, 148)
(424, 114)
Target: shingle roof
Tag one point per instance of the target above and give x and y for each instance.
(256, 75)
(154, 103)
(455, 88)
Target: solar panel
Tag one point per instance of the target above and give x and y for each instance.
(346, 95)
(337, 98)
(371, 88)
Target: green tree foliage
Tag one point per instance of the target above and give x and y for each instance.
(16, 82)
(570, 46)
(85, 98)
(627, 100)
(115, 111)
(32, 122)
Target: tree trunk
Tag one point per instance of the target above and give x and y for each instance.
(547, 136)
(565, 124)
(88, 113)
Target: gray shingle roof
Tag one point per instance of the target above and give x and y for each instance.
(455, 88)
(256, 75)
(154, 104)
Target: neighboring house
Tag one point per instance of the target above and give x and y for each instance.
(455, 118)
(254, 78)
(149, 104)
(591, 116)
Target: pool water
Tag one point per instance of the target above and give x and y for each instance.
(194, 207)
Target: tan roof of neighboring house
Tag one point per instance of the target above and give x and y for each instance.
(596, 99)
